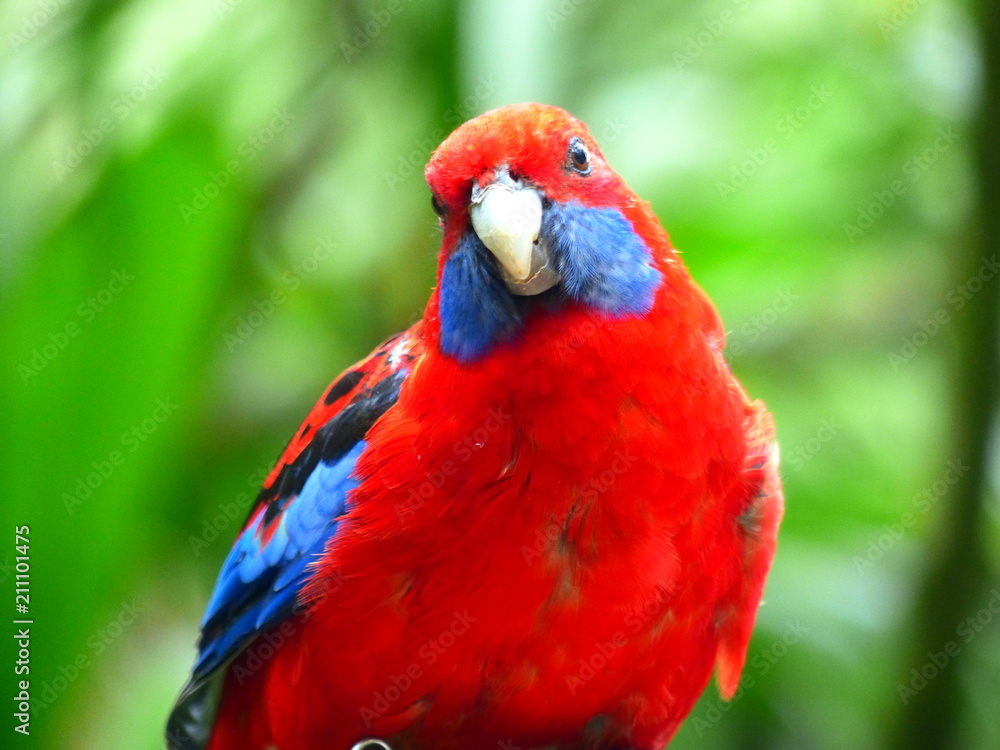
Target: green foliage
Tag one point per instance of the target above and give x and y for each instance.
(210, 209)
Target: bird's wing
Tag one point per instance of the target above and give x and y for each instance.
(293, 519)
(763, 505)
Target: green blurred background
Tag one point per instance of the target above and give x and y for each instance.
(210, 208)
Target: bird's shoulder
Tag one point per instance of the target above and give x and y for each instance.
(292, 522)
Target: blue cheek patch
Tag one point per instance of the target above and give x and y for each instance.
(603, 262)
(476, 309)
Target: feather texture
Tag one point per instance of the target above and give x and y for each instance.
(538, 520)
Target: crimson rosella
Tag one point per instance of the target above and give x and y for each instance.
(540, 517)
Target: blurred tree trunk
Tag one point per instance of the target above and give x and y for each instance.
(957, 583)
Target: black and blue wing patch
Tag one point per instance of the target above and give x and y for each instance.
(267, 567)
(293, 521)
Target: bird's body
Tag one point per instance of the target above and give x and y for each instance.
(535, 519)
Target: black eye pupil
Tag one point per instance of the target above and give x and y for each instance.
(578, 156)
(437, 205)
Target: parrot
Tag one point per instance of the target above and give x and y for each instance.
(540, 517)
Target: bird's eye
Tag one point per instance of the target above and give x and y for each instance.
(579, 159)
(437, 205)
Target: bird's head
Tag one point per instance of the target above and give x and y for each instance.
(533, 219)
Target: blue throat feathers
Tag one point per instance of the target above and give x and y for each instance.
(603, 263)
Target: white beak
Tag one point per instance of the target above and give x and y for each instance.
(508, 221)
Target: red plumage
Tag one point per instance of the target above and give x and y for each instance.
(551, 545)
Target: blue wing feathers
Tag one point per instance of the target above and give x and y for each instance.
(260, 580)
(296, 517)
(268, 566)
